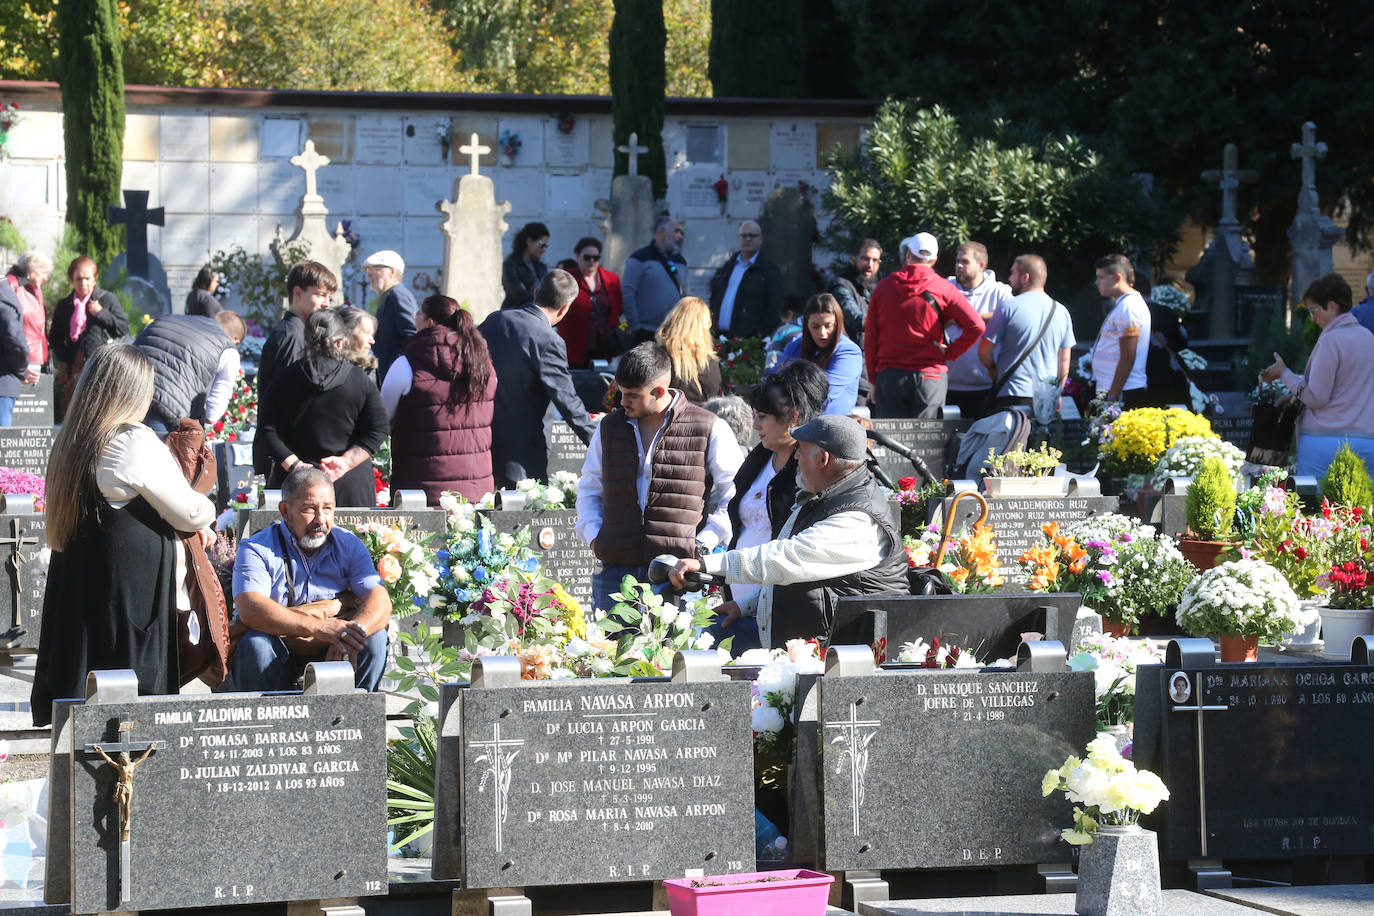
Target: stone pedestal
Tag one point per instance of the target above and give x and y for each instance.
(1118, 874)
(472, 244)
(629, 219)
(311, 239)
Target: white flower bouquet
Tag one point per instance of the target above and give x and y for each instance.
(1173, 298)
(1113, 661)
(1136, 571)
(1240, 598)
(559, 493)
(1106, 789)
(1184, 458)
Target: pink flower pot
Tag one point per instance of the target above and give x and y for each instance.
(787, 892)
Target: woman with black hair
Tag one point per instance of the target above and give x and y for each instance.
(439, 398)
(524, 267)
(824, 342)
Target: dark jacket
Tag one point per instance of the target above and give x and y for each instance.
(322, 407)
(395, 325)
(850, 292)
(531, 366)
(651, 284)
(14, 348)
(519, 280)
(284, 347)
(202, 302)
(109, 324)
(438, 443)
(758, 301)
(806, 610)
(679, 487)
(702, 388)
(782, 490)
(185, 350)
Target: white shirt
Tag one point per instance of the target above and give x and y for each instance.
(723, 459)
(727, 302)
(396, 385)
(1130, 317)
(222, 385)
(755, 526)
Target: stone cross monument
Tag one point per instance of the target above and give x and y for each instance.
(311, 233)
(1227, 262)
(1312, 233)
(147, 280)
(628, 222)
(473, 228)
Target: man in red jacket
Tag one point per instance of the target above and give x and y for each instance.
(904, 333)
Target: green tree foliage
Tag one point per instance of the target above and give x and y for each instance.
(28, 39)
(1347, 481)
(688, 23)
(92, 76)
(638, 78)
(758, 49)
(529, 45)
(920, 170)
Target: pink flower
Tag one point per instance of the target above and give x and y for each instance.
(1274, 500)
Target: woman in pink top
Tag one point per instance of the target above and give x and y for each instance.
(27, 277)
(1337, 384)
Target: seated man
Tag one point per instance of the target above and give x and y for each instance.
(307, 593)
(843, 538)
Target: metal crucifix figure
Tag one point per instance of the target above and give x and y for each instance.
(124, 766)
(124, 785)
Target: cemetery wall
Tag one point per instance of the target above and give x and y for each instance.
(217, 161)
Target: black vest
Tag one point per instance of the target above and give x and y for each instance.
(185, 350)
(807, 609)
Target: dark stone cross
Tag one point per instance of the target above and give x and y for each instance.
(16, 560)
(136, 217)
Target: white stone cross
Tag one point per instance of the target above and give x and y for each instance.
(474, 149)
(1309, 151)
(633, 150)
(1229, 177)
(311, 162)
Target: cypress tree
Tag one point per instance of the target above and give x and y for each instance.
(638, 80)
(91, 72)
(760, 49)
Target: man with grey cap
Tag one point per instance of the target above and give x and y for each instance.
(843, 538)
(395, 307)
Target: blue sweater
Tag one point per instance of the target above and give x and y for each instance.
(845, 367)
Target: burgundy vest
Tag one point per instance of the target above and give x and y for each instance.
(437, 445)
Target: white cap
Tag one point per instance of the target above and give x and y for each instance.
(386, 258)
(922, 244)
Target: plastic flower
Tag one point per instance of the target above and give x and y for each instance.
(389, 568)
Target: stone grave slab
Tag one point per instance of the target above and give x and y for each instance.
(35, 404)
(1258, 758)
(933, 440)
(990, 624)
(564, 558)
(1170, 514)
(1017, 522)
(1325, 900)
(653, 776)
(566, 451)
(423, 521)
(1234, 422)
(245, 799)
(26, 448)
(1176, 903)
(25, 578)
(942, 769)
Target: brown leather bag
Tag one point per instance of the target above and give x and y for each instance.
(208, 658)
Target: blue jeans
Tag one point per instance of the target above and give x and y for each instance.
(1315, 453)
(606, 581)
(6, 411)
(745, 631)
(262, 662)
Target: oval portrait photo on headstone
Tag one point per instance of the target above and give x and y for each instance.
(1179, 687)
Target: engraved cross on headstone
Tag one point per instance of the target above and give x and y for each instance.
(498, 771)
(136, 217)
(311, 162)
(1309, 151)
(16, 560)
(1230, 177)
(474, 149)
(854, 748)
(633, 150)
(123, 792)
(1199, 707)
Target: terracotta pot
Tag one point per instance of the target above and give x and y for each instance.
(1117, 630)
(1202, 554)
(1239, 648)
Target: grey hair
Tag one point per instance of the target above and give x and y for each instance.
(846, 466)
(31, 260)
(303, 479)
(1369, 285)
(736, 413)
(662, 221)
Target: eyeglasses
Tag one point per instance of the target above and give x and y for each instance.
(591, 257)
(542, 245)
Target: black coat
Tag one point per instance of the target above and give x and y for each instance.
(202, 302)
(758, 301)
(284, 347)
(322, 407)
(531, 365)
(14, 347)
(519, 280)
(109, 324)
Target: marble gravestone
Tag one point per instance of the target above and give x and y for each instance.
(563, 557)
(420, 521)
(789, 228)
(1017, 521)
(942, 769)
(628, 216)
(1312, 233)
(231, 799)
(1227, 262)
(585, 782)
(473, 226)
(933, 441)
(25, 579)
(311, 232)
(26, 448)
(566, 451)
(34, 406)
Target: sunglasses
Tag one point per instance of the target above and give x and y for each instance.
(591, 257)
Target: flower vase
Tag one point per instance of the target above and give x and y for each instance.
(1309, 634)
(1121, 734)
(1202, 554)
(1117, 630)
(1341, 626)
(1236, 648)
(1118, 873)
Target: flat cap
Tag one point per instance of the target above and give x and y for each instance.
(842, 437)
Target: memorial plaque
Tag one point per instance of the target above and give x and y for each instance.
(1017, 522)
(932, 440)
(565, 559)
(1170, 514)
(942, 769)
(596, 781)
(566, 451)
(1278, 745)
(243, 800)
(1234, 422)
(422, 521)
(34, 406)
(234, 467)
(22, 539)
(26, 448)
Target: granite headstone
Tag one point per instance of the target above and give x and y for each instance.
(566, 451)
(564, 558)
(1234, 422)
(420, 521)
(473, 225)
(26, 448)
(1017, 522)
(234, 466)
(934, 441)
(22, 541)
(34, 406)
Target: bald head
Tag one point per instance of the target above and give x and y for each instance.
(750, 238)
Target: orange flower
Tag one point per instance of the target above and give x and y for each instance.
(958, 574)
(536, 663)
(389, 568)
(1051, 529)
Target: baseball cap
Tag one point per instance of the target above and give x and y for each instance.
(923, 244)
(385, 258)
(842, 437)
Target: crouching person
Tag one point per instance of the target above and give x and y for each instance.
(306, 593)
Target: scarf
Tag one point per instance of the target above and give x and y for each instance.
(79, 316)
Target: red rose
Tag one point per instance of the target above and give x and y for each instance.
(1300, 552)
(219, 426)
(906, 483)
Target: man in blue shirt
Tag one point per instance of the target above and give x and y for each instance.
(307, 592)
(1364, 312)
(1014, 329)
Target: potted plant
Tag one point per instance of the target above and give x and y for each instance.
(1211, 506)
(1242, 602)
(787, 892)
(1024, 472)
(1185, 457)
(1347, 613)
(1109, 796)
(1132, 443)
(1347, 481)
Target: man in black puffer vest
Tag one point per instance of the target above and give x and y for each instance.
(195, 365)
(843, 538)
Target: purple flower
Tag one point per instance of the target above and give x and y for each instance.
(1127, 538)
(1105, 576)
(1098, 544)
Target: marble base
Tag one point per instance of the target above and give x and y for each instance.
(1327, 900)
(1175, 903)
(1118, 874)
